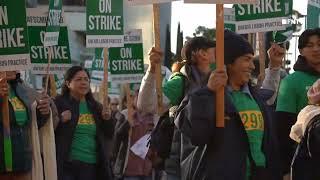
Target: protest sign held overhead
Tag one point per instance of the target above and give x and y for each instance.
(60, 54)
(14, 43)
(53, 23)
(267, 15)
(126, 63)
(104, 23)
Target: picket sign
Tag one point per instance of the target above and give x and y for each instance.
(14, 55)
(104, 30)
(52, 33)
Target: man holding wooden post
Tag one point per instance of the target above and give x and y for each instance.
(246, 145)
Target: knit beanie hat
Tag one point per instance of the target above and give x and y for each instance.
(314, 93)
(235, 46)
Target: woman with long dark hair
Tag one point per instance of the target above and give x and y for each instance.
(83, 131)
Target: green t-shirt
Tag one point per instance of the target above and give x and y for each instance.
(174, 88)
(293, 90)
(253, 122)
(84, 146)
(20, 110)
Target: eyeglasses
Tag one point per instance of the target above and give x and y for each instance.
(114, 104)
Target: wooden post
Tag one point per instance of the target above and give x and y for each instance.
(220, 63)
(6, 130)
(105, 77)
(48, 70)
(53, 87)
(156, 28)
(262, 55)
(129, 102)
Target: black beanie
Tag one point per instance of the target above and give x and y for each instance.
(235, 46)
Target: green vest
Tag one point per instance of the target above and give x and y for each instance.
(253, 122)
(19, 109)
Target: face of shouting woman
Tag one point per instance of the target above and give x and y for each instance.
(79, 85)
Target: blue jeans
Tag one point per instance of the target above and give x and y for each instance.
(138, 178)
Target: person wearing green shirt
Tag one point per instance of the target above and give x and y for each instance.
(199, 54)
(245, 148)
(18, 154)
(292, 95)
(84, 130)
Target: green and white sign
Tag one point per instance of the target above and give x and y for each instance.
(143, 2)
(58, 78)
(222, 1)
(230, 19)
(60, 54)
(104, 23)
(268, 15)
(51, 37)
(97, 67)
(14, 43)
(126, 63)
(313, 15)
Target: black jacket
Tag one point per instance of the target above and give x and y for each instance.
(227, 148)
(65, 131)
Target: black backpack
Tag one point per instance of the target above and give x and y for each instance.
(305, 164)
(162, 135)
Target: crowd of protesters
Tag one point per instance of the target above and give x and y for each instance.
(271, 132)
